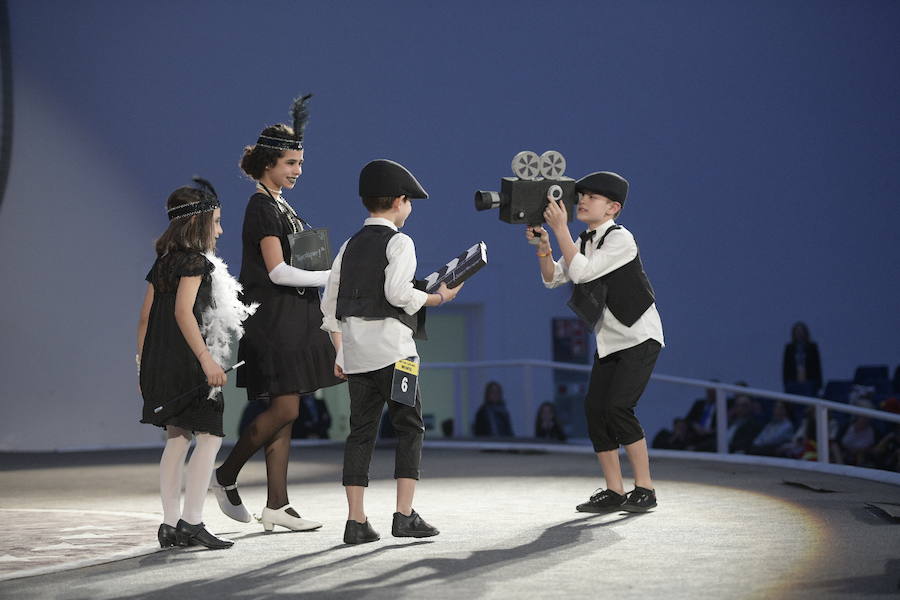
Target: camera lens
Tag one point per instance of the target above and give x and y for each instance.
(555, 192)
(486, 200)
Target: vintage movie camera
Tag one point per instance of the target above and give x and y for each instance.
(523, 198)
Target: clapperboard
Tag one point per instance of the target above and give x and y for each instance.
(459, 269)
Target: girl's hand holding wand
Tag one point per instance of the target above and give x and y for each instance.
(215, 374)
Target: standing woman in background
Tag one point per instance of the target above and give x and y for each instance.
(286, 351)
(801, 369)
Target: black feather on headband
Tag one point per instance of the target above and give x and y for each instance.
(206, 187)
(300, 116)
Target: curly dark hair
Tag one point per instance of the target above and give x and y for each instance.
(255, 158)
(194, 233)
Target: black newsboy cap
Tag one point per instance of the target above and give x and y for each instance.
(384, 177)
(611, 185)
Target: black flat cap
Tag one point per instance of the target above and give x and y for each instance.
(611, 185)
(387, 178)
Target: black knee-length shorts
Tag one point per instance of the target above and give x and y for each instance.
(617, 382)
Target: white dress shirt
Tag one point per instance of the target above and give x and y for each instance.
(371, 344)
(619, 248)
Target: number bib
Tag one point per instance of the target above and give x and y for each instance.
(405, 382)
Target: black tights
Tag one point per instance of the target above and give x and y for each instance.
(272, 429)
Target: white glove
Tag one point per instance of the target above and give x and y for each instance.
(286, 275)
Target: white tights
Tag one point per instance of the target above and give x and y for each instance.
(199, 471)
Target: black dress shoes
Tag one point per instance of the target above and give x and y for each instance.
(197, 535)
(166, 536)
(359, 533)
(640, 500)
(411, 526)
(603, 501)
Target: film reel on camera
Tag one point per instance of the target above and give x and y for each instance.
(553, 165)
(526, 165)
(529, 166)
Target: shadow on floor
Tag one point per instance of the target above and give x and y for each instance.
(272, 580)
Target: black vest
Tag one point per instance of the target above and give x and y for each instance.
(626, 291)
(361, 289)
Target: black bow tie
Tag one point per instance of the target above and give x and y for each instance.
(585, 237)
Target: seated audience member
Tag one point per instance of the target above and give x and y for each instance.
(801, 370)
(803, 443)
(777, 432)
(314, 420)
(886, 453)
(492, 418)
(679, 438)
(858, 440)
(861, 395)
(701, 422)
(546, 425)
(743, 425)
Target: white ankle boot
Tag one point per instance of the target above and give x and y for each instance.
(279, 516)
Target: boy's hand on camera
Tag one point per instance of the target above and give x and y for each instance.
(555, 214)
(215, 374)
(543, 245)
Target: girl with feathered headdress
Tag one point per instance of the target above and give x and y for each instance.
(190, 315)
(286, 352)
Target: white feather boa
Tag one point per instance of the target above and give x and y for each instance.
(223, 319)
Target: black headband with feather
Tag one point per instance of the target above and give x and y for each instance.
(299, 116)
(208, 202)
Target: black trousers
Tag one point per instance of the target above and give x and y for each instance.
(368, 393)
(617, 382)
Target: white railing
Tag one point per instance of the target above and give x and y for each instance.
(528, 365)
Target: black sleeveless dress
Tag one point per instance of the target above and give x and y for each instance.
(169, 368)
(284, 346)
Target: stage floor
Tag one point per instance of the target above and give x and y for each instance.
(508, 525)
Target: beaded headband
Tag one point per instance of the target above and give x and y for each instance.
(279, 143)
(299, 118)
(209, 202)
(193, 208)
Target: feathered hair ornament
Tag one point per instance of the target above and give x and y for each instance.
(300, 114)
(205, 187)
(299, 117)
(209, 201)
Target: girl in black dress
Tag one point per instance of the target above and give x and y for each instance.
(286, 352)
(189, 315)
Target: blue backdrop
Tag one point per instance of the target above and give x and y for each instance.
(760, 139)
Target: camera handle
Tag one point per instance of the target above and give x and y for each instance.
(554, 193)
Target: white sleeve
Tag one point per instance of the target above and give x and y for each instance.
(559, 274)
(294, 277)
(329, 297)
(619, 248)
(399, 273)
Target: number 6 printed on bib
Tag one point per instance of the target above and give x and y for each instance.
(405, 382)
